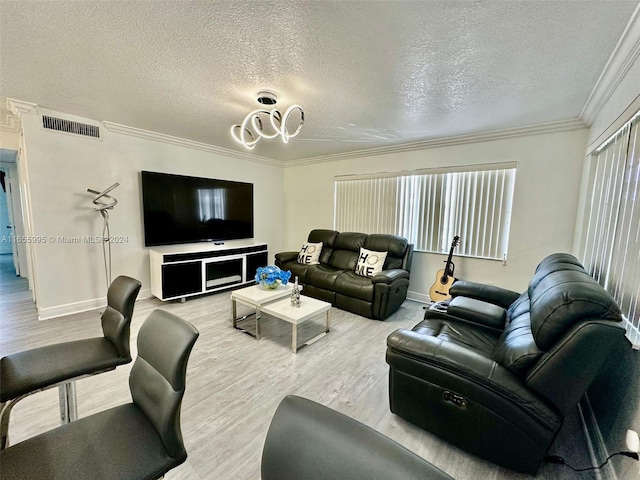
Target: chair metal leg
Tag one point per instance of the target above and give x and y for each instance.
(4, 424)
(68, 405)
(68, 402)
(5, 413)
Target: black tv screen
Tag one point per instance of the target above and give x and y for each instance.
(181, 209)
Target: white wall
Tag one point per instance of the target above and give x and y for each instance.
(622, 97)
(9, 139)
(544, 209)
(70, 276)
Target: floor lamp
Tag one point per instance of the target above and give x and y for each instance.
(103, 203)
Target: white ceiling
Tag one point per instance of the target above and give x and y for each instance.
(367, 73)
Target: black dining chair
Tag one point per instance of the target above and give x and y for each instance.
(61, 364)
(141, 440)
(309, 441)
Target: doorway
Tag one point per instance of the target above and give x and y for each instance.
(11, 211)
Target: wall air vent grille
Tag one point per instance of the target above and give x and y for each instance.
(68, 126)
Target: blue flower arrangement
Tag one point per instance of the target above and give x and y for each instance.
(271, 277)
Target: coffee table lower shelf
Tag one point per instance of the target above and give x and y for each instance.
(277, 304)
(308, 309)
(255, 296)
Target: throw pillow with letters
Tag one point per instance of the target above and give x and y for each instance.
(310, 253)
(370, 263)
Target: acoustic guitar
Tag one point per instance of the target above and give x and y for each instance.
(444, 278)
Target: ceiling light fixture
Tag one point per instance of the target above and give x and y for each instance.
(255, 125)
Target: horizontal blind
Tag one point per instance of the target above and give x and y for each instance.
(429, 209)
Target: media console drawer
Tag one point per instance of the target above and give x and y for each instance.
(180, 271)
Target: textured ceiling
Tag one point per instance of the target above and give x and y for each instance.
(368, 74)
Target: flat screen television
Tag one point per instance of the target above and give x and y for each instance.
(181, 209)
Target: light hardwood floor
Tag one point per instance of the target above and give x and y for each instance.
(235, 383)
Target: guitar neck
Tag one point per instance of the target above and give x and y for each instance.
(448, 268)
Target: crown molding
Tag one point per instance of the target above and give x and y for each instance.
(9, 123)
(18, 107)
(623, 56)
(183, 142)
(539, 129)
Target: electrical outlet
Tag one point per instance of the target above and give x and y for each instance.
(633, 441)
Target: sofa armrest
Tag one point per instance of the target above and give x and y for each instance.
(486, 293)
(390, 276)
(469, 365)
(478, 312)
(284, 257)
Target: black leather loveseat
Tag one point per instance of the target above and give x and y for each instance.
(495, 372)
(334, 278)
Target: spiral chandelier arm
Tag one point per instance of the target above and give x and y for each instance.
(253, 125)
(285, 133)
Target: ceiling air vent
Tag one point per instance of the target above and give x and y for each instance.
(68, 126)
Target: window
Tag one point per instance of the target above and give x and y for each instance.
(430, 207)
(611, 236)
(212, 204)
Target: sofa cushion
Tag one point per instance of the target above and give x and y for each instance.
(370, 263)
(479, 340)
(566, 258)
(395, 246)
(310, 253)
(519, 307)
(516, 349)
(297, 270)
(354, 285)
(551, 267)
(564, 298)
(346, 250)
(323, 276)
(328, 239)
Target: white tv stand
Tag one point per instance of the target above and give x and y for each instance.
(180, 271)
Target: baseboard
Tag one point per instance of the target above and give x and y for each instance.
(146, 293)
(419, 297)
(49, 313)
(598, 452)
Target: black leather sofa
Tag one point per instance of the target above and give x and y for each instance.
(495, 372)
(334, 279)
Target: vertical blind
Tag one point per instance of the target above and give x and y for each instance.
(429, 209)
(611, 239)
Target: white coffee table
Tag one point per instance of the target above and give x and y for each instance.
(255, 296)
(309, 308)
